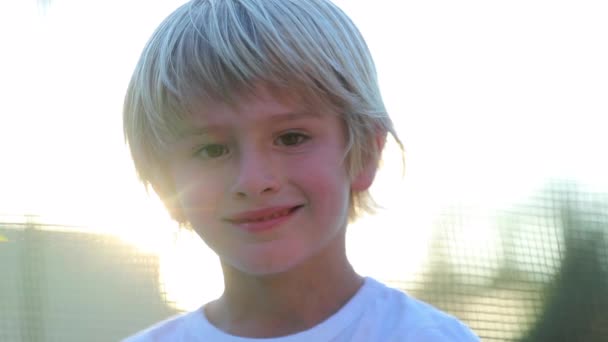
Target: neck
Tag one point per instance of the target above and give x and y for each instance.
(288, 302)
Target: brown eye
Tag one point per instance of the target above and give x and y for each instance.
(291, 139)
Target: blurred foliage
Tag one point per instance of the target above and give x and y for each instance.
(537, 271)
(576, 308)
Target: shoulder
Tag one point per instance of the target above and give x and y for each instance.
(411, 319)
(177, 328)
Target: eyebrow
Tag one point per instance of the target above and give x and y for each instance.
(292, 116)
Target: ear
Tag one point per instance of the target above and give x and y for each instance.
(364, 179)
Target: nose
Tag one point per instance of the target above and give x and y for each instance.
(256, 175)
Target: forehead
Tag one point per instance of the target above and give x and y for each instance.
(257, 108)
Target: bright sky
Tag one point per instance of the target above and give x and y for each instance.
(490, 98)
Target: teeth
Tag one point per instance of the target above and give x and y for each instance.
(272, 216)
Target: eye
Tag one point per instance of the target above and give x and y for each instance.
(291, 139)
(212, 151)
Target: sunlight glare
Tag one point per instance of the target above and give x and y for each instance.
(484, 105)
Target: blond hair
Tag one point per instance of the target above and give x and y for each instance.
(218, 50)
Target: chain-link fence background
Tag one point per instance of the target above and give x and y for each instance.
(536, 271)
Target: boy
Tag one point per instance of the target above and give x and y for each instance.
(260, 125)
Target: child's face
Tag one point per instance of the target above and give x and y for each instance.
(263, 183)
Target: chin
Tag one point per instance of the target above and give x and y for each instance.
(265, 265)
(265, 268)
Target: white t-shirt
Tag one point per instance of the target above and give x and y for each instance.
(375, 313)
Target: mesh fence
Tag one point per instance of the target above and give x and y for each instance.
(536, 271)
(71, 286)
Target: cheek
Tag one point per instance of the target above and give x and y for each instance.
(198, 197)
(324, 182)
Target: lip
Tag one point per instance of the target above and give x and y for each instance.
(264, 219)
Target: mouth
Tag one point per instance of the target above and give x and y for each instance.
(263, 215)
